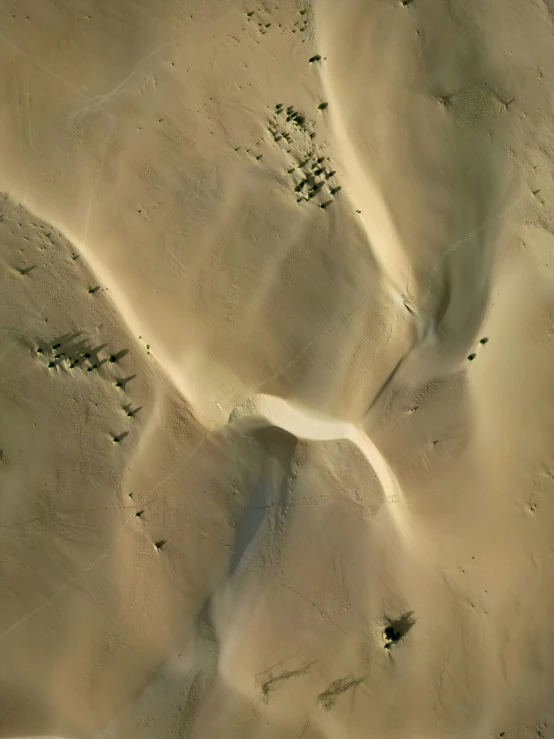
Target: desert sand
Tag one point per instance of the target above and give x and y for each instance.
(276, 369)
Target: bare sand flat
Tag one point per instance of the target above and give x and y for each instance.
(276, 369)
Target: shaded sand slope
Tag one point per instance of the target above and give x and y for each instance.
(246, 253)
(148, 182)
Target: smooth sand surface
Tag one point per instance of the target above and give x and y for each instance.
(276, 369)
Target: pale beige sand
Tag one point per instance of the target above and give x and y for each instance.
(207, 536)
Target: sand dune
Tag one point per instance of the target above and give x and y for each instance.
(276, 349)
